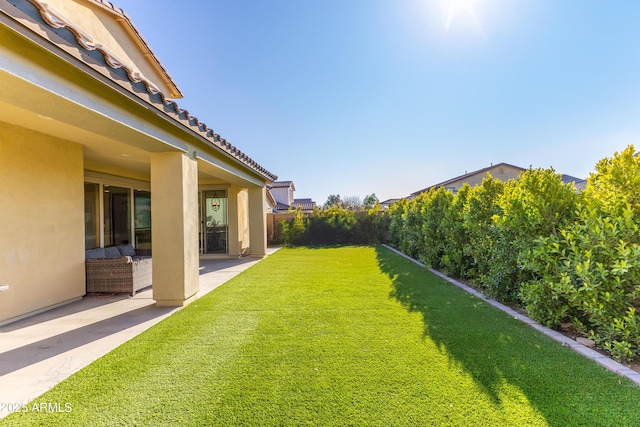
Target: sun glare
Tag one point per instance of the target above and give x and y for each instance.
(459, 11)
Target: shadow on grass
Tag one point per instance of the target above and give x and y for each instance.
(449, 319)
(496, 349)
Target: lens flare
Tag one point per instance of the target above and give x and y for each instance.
(460, 10)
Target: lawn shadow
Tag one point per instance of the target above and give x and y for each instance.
(482, 342)
(447, 321)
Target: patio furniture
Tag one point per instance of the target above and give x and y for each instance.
(117, 269)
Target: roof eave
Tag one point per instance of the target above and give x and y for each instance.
(135, 89)
(123, 18)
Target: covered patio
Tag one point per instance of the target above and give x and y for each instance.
(94, 153)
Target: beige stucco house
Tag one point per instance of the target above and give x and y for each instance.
(94, 152)
(283, 194)
(500, 171)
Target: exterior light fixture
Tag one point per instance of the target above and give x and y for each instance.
(215, 202)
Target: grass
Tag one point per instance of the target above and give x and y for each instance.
(340, 336)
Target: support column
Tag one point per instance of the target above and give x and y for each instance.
(233, 218)
(174, 213)
(257, 222)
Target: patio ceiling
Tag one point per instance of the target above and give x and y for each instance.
(109, 146)
(103, 140)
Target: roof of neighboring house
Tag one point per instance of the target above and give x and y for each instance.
(33, 18)
(282, 207)
(389, 201)
(568, 178)
(282, 184)
(305, 204)
(466, 175)
(579, 182)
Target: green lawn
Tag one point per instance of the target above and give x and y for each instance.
(340, 336)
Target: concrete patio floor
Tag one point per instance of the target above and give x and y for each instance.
(38, 352)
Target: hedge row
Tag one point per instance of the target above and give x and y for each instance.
(568, 257)
(332, 226)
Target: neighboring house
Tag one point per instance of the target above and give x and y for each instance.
(283, 194)
(93, 153)
(500, 171)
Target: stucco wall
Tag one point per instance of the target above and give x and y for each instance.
(41, 221)
(282, 195)
(501, 172)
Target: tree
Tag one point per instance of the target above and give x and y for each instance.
(352, 203)
(332, 200)
(370, 201)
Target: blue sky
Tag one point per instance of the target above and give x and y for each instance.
(354, 97)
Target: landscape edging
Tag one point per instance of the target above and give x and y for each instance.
(590, 354)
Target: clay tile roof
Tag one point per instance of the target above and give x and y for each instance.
(305, 204)
(282, 206)
(282, 184)
(132, 28)
(36, 17)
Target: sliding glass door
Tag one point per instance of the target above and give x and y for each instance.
(142, 219)
(91, 215)
(117, 215)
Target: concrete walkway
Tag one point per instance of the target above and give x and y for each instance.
(38, 352)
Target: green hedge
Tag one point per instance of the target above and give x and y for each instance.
(333, 226)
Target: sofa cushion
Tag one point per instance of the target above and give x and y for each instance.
(127, 250)
(112, 252)
(94, 253)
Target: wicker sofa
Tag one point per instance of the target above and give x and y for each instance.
(117, 269)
